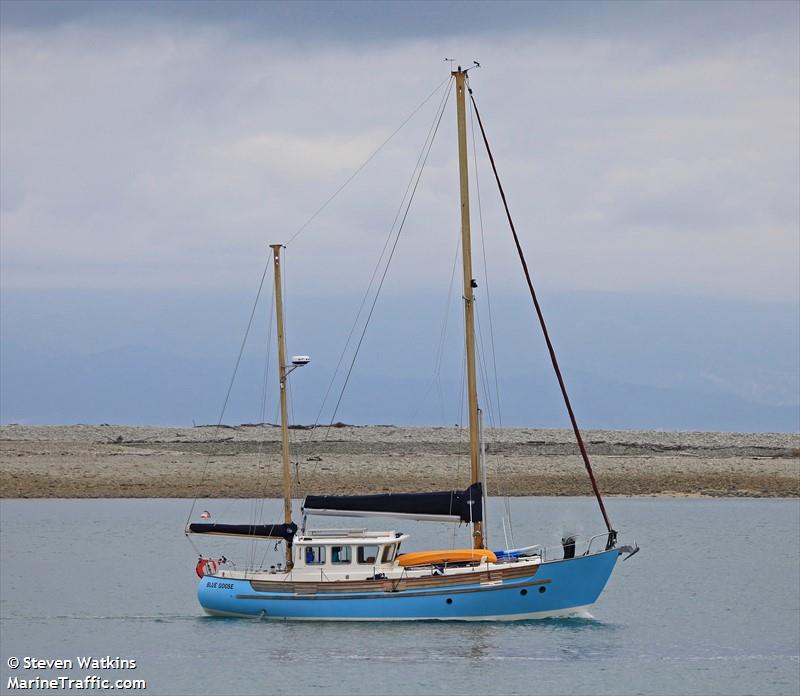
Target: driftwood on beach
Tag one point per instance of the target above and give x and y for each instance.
(243, 461)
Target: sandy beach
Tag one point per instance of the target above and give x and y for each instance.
(111, 461)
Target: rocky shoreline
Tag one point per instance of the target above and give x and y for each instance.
(109, 461)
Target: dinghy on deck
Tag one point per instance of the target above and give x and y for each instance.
(428, 558)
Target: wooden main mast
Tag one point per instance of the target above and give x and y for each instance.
(282, 374)
(469, 297)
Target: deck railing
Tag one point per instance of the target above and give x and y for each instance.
(584, 546)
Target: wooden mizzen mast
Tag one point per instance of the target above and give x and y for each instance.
(282, 374)
(469, 298)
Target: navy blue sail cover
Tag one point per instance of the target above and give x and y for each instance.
(265, 531)
(467, 505)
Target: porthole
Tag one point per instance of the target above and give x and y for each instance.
(449, 600)
(542, 589)
(523, 592)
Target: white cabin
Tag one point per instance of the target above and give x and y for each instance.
(344, 554)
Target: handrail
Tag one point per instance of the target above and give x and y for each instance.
(556, 552)
(602, 535)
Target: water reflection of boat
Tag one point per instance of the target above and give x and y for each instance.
(355, 574)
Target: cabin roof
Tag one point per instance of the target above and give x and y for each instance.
(329, 537)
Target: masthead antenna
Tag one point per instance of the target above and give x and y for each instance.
(475, 64)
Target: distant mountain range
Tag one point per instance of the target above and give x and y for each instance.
(629, 362)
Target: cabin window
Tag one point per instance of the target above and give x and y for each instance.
(367, 554)
(315, 555)
(388, 553)
(341, 555)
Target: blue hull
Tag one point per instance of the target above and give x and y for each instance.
(557, 588)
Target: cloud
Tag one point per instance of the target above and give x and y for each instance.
(166, 153)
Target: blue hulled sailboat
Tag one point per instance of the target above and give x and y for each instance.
(361, 575)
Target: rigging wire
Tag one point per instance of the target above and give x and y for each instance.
(289, 394)
(498, 421)
(484, 373)
(485, 265)
(612, 534)
(442, 343)
(267, 360)
(435, 380)
(462, 406)
(418, 173)
(258, 512)
(230, 384)
(286, 313)
(510, 523)
(445, 322)
(379, 261)
(365, 163)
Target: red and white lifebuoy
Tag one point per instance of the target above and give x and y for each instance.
(206, 566)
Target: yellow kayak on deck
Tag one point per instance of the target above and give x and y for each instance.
(419, 558)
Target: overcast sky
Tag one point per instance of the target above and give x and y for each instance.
(645, 146)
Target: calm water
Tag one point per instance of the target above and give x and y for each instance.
(711, 605)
